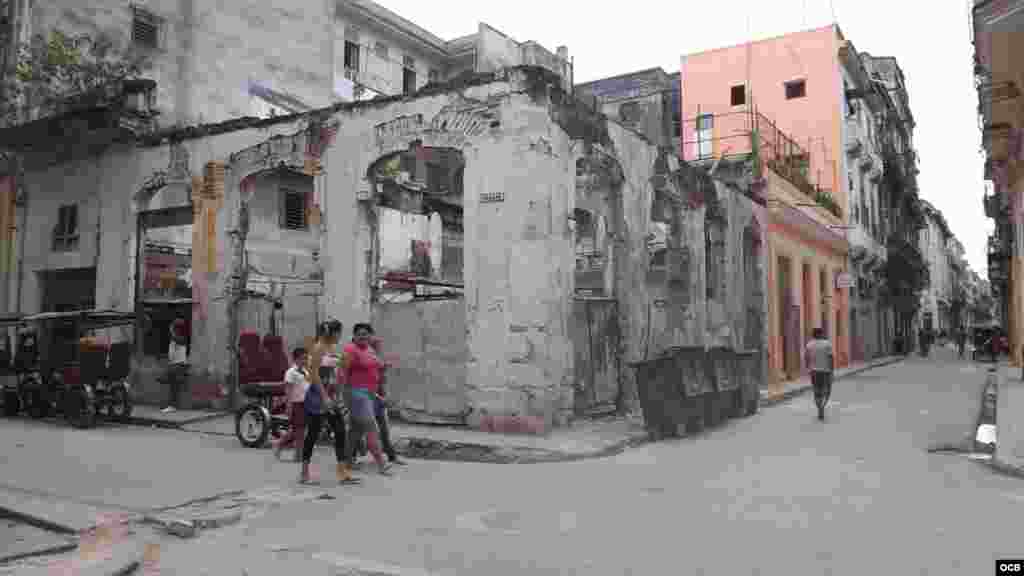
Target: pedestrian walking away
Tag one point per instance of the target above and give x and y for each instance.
(819, 359)
(361, 369)
(317, 403)
(296, 382)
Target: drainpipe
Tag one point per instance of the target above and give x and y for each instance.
(22, 227)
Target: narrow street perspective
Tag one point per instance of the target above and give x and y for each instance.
(374, 287)
(739, 495)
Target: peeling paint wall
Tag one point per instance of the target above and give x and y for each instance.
(111, 190)
(518, 271)
(669, 306)
(504, 356)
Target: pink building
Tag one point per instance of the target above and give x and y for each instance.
(794, 81)
(785, 94)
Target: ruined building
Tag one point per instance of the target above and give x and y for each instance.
(515, 249)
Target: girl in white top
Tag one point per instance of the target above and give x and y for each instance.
(296, 382)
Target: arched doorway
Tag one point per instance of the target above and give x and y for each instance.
(595, 325)
(416, 278)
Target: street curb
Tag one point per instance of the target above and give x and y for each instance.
(800, 390)
(49, 551)
(443, 450)
(38, 522)
(1004, 469)
(159, 423)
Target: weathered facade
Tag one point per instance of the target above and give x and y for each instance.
(863, 106)
(215, 62)
(996, 27)
(505, 325)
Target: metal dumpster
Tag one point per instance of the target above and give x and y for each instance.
(690, 388)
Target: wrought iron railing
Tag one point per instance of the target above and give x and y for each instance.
(750, 134)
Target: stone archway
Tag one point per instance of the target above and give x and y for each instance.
(596, 324)
(416, 276)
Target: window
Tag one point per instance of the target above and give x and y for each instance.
(381, 50)
(145, 28)
(711, 269)
(293, 210)
(796, 89)
(351, 56)
(738, 95)
(705, 125)
(65, 234)
(408, 75)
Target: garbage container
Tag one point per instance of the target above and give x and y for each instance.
(652, 392)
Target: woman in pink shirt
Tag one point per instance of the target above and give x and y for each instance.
(361, 369)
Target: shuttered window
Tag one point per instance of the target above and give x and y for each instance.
(145, 28)
(65, 233)
(293, 210)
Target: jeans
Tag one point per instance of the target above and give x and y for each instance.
(314, 423)
(822, 383)
(380, 414)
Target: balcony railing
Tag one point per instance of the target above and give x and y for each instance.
(749, 134)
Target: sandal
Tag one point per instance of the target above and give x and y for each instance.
(350, 482)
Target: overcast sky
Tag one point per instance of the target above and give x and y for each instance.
(933, 48)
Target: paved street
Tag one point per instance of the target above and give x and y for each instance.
(779, 493)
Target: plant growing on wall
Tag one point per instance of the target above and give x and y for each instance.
(51, 69)
(828, 202)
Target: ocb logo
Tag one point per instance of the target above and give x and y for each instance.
(1009, 567)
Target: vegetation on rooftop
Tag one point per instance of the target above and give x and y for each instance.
(52, 69)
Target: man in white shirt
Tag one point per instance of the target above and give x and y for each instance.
(296, 382)
(177, 363)
(819, 360)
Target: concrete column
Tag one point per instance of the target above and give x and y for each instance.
(1010, 420)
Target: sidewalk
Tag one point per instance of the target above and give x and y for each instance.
(792, 389)
(590, 438)
(152, 416)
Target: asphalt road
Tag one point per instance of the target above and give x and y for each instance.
(780, 493)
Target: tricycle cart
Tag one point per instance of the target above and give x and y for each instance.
(78, 374)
